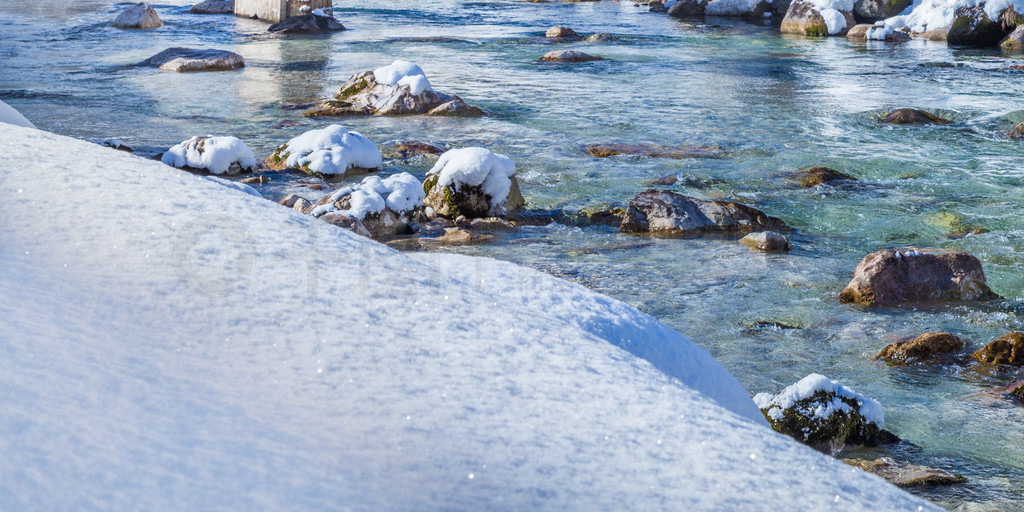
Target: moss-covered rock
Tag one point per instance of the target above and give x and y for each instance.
(469, 201)
(825, 415)
(803, 18)
(1008, 349)
(926, 346)
(973, 27)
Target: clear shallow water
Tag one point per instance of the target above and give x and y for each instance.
(775, 103)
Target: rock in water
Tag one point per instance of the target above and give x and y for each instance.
(905, 474)
(825, 415)
(665, 213)
(767, 241)
(332, 150)
(876, 10)
(214, 7)
(925, 346)
(601, 37)
(569, 56)
(805, 19)
(1017, 132)
(1009, 349)
(474, 183)
(216, 155)
(818, 175)
(375, 207)
(1015, 41)
(892, 277)
(188, 59)
(654, 150)
(688, 9)
(308, 24)
(140, 15)
(398, 89)
(913, 116)
(972, 27)
(562, 34)
(936, 34)
(414, 148)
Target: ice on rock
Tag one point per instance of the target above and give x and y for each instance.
(215, 154)
(476, 167)
(331, 150)
(402, 72)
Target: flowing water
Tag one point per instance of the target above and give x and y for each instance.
(775, 103)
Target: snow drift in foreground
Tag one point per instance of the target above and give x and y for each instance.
(11, 116)
(207, 349)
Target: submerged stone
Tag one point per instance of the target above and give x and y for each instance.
(818, 175)
(905, 474)
(913, 116)
(925, 346)
(654, 150)
(188, 59)
(569, 56)
(562, 34)
(307, 24)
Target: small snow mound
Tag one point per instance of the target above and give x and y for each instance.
(215, 154)
(476, 167)
(332, 150)
(835, 21)
(403, 72)
(730, 7)
(869, 408)
(879, 32)
(11, 116)
(400, 193)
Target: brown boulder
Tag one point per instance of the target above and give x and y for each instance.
(1009, 349)
(925, 346)
(562, 34)
(905, 474)
(413, 148)
(665, 213)
(913, 116)
(817, 175)
(569, 56)
(891, 277)
(767, 241)
(654, 150)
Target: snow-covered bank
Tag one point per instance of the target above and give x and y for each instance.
(171, 343)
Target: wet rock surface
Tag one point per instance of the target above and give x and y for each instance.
(906, 474)
(891, 277)
(665, 213)
(926, 346)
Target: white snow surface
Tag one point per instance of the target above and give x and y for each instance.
(476, 167)
(879, 32)
(835, 21)
(215, 154)
(209, 350)
(332, 150)
(869, 408)
(403, 72)
(11, 116)
(234, 185)
(925, 15)
(838, 5)
(400, 192)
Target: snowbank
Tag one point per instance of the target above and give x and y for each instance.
(925, 15)
(215, 154)
(403, 72)
(206, 349)
(332, 150)
(476, 167)
(10, 116)
(399, 192)
(869, 408)
(730, 7)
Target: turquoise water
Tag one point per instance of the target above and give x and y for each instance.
(775, 103)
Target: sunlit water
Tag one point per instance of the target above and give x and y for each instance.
(776, 104)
